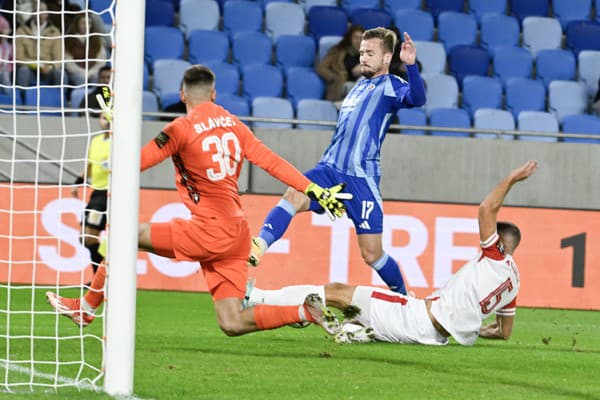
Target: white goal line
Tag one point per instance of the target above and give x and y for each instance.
(60, 379)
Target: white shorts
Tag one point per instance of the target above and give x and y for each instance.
(395, 318)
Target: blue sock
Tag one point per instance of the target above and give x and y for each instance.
(389, 271)
(277, 222)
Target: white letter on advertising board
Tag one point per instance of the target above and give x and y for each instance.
(406, 256)
(446, 251)
(52, 222)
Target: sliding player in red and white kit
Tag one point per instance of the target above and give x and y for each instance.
(487, 284)
(208, 146)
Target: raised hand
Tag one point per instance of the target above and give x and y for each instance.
(524, 171)
(408, 51)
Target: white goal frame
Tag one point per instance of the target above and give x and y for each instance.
(124, 198)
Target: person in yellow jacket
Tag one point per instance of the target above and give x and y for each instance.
(97, 171)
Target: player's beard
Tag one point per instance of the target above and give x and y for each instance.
(369, 72)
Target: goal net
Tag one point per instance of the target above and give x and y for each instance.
(47, 123)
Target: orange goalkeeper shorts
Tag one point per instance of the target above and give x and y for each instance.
(220, 245)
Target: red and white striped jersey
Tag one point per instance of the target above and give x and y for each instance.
(486, 284)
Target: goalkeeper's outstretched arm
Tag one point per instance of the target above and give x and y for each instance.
(260, 155)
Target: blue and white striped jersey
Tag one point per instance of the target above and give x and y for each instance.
(364, 119)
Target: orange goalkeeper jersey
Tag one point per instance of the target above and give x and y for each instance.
(208, 147)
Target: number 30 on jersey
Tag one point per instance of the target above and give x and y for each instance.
(221, 149)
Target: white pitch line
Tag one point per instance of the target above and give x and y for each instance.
(61, 379)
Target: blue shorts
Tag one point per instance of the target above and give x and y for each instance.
(365, 209)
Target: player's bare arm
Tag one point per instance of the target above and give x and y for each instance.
(489, 207)
(500, 329)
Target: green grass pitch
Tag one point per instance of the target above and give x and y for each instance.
(181, 354)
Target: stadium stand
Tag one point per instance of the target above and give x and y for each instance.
(325, 43)
(284, 19)
(294, 51)
(77, 96)
(149, 103)
(351, 5)
(308, 4)
(588, 70)
(167, 80)
(272, 107)
(482, 7)
(303, 83)
(450, 118)
(146, 77)
(442, 91)
(327, 21)
(491, 118)
(583, 35)
(481, 92)
(198, 14)
(554, 65)
(205, 46)
(439, 6)
(208, 29)
(512, 62)
(163, 42)
(524, 94)
(541, 33)
(456, 29)
(242, 16)
(234, 104)
(432, 57)
(8, 98)
(567, 98)
(370, 18)
(580, 123)
(317, 110)
(526, 8)
(160, 13)
(571, 10)
(47, 97)
(252, 48)
(537, 121)
(417, 22)
(468, 60)
(499, 30)
(412, 116)
(261, 80)
(227, 77)
(391, 6)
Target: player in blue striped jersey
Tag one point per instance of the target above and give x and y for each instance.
(354, 153)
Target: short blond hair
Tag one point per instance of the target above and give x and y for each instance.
(388, 38)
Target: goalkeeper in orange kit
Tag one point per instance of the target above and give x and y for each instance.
(207, 147)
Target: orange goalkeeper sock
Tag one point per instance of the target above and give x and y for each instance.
(95, 295)
(271, 317)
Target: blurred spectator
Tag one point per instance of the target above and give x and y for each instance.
(47, 60)
(23, 9)
(397, 67)
(596, 102)
(6, 56)
(82, 66)
(104, 75)
(341, 64)
(58, 16)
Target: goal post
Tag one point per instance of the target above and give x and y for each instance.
(47, 126)
(124, 199)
